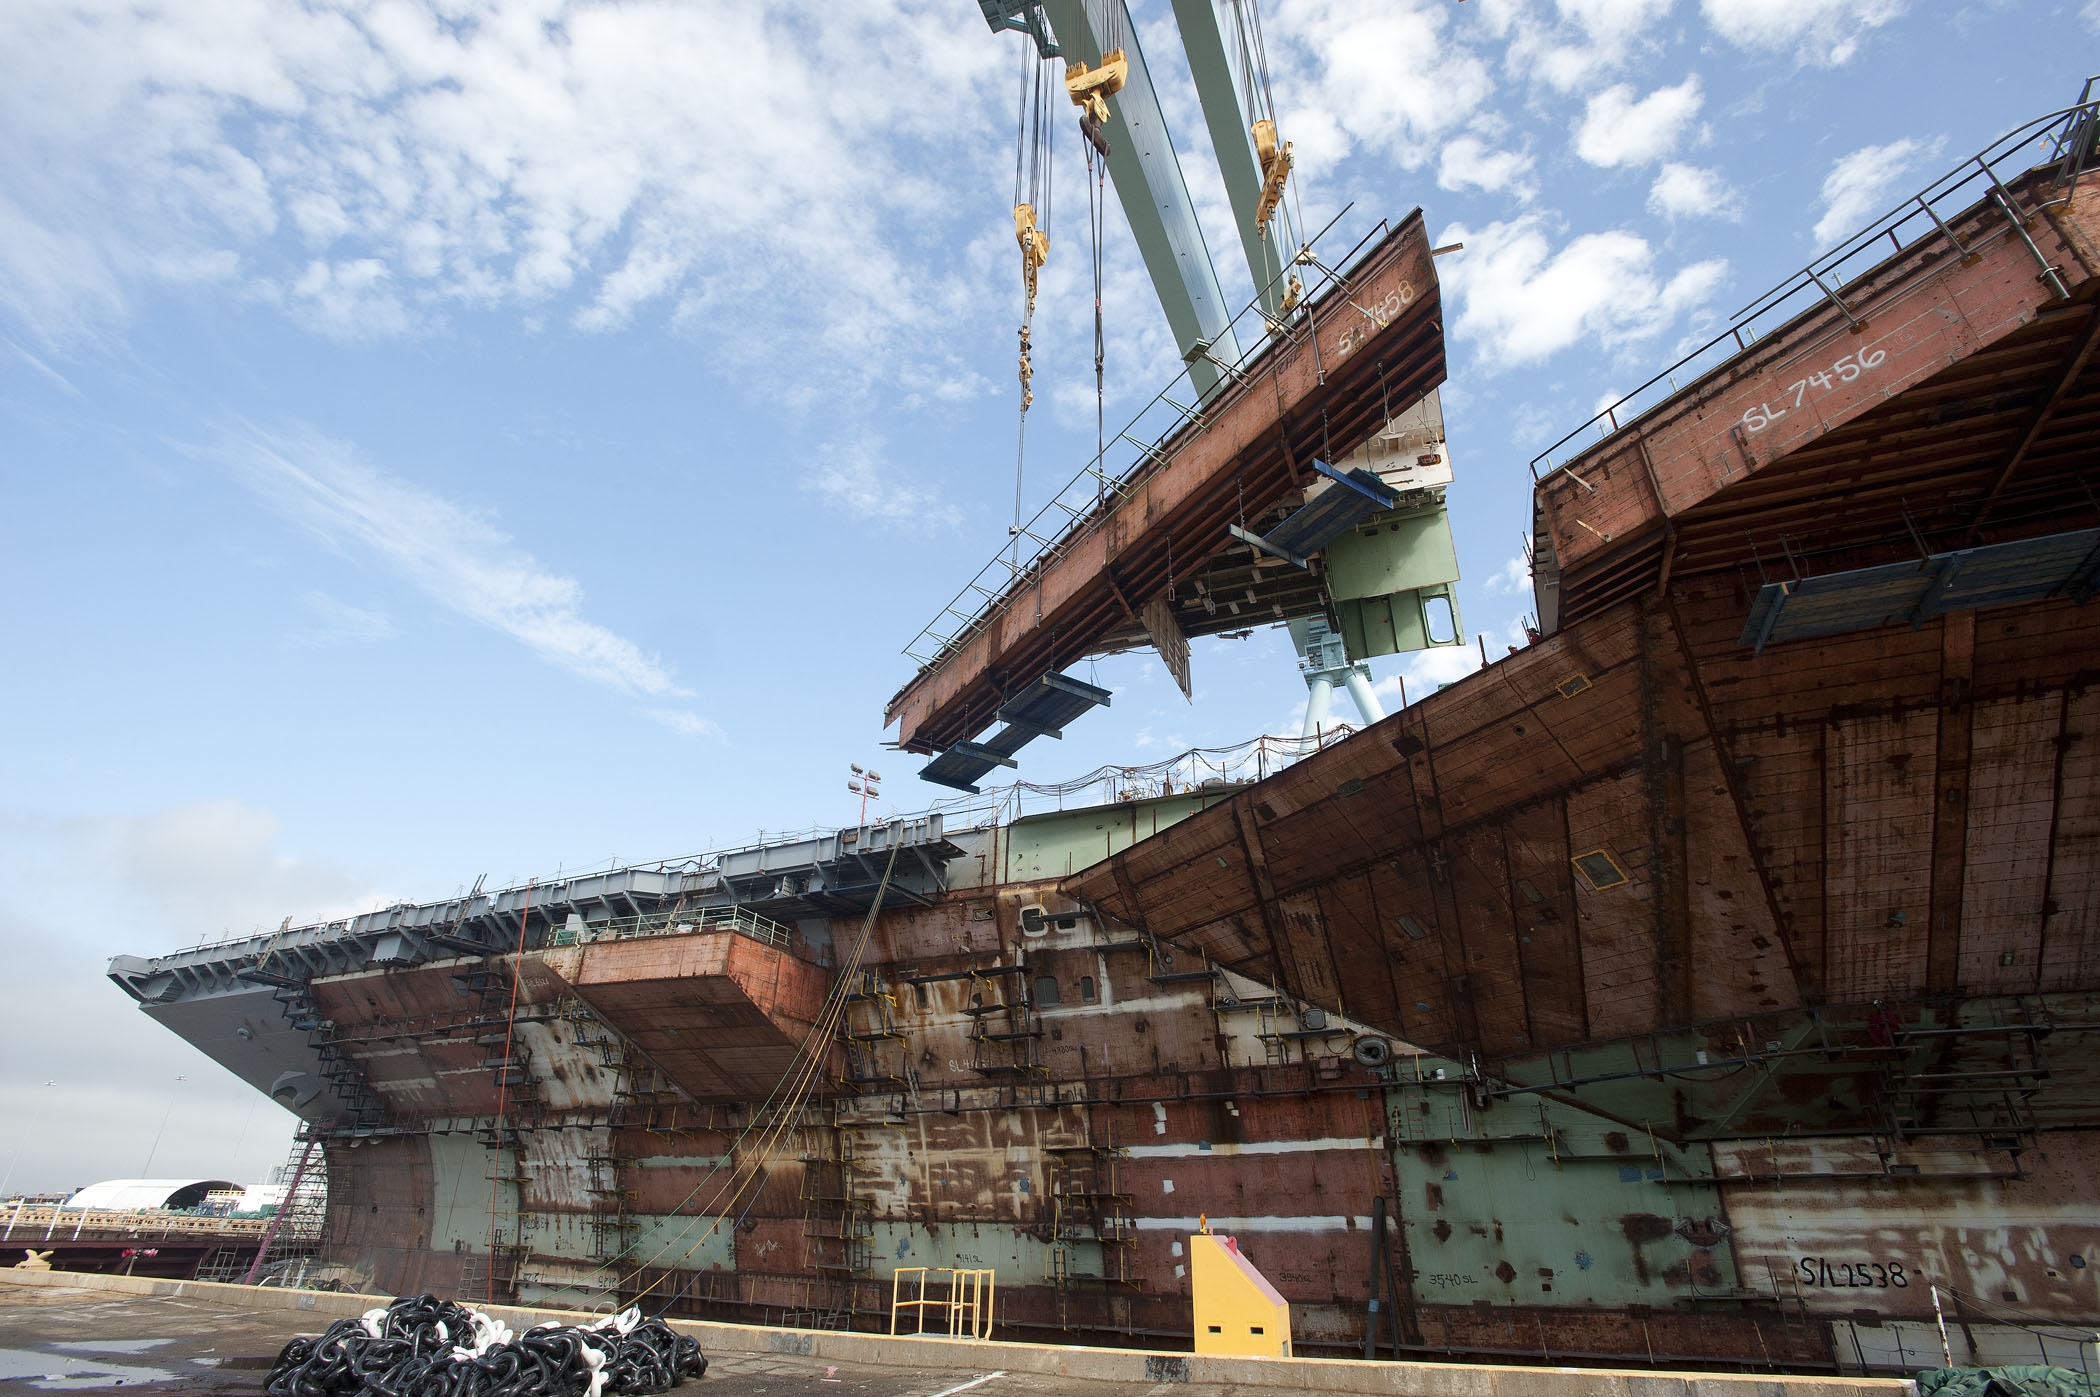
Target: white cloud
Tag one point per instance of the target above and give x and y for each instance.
(1471, 163)
(339, 623)
(65, 384)
(1687, 191)
(687, 724)
(1513, 580)
(1817, 31)
(2091, 15)
(1388, 78)
(854, 474)
(1618, 130)
(1859, 184)
(373, 169)
(454, 556)
(1523, 301)
(1577, 41)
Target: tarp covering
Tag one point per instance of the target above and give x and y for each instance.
(2012, 1380)
(118, 1195)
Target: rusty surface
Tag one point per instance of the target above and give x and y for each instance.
(1976, 353)
(1879, 814)
(1320, 391)
(722, 1014)
(1825, 1003)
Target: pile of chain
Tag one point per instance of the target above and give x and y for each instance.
(421, 1346)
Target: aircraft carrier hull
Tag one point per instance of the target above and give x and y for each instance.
(1711, 981)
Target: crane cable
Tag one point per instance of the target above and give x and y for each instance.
(1096, 213)
(821, 1033)
(746, 1168)
(1033, 152)
(1261, 102)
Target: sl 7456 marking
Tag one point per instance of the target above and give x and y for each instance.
(1763, 415)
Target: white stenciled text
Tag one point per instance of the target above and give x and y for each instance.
(1762, 415)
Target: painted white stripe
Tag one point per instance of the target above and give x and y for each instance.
(973, 1382)
(1311, 1222)
(1197, 1151)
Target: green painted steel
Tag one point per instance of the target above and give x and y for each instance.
(1059, 844)
(1012, 1255)
(464, 1175)
(1394, 552)
(1529, 1201)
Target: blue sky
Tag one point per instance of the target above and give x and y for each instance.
(445, 439)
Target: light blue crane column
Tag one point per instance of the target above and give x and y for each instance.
(1154, 195)
(1325, 662)
(1231, 136)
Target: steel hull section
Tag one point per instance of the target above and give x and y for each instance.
(1363, 353)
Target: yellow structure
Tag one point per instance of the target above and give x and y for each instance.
(968, 1303)
(1237, 1310)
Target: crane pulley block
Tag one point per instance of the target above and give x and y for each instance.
(1035, 247)
(1090, 88)
(1275, 169)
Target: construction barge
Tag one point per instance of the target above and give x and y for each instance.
(1714, 981)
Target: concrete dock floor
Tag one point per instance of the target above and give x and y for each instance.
(54, 1339)
(100, 1333)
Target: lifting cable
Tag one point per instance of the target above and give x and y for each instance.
(1033, 151)
(1275, 158)
(747, 1165)
(510, 1028)
(1090, 89)
(1096, 212)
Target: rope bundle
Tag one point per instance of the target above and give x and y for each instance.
(421, 1346)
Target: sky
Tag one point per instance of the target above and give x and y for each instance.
(498, 437)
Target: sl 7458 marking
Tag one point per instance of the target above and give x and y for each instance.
(1763, 415)
(1373, 319)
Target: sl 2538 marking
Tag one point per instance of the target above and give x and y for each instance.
(1868, 1275)
(1763, 415)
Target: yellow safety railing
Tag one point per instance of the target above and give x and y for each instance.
(968, 1302)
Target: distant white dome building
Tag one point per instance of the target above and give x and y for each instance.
(127, 1195)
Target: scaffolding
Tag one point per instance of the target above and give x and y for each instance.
(293, 1240)
(838, 1223)
(1006, 1031)
(967, 1307)
(1972, 1080)
(1090, 1220)
(873, 1039)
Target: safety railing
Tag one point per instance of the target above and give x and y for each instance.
(966, 1307)
(1200, 770)
(741, 920)
(1084, 502)
(71, 1224)
(2066, 140)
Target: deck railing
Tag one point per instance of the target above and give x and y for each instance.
(2064, 139)
(673, 922)
(1084, 502)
